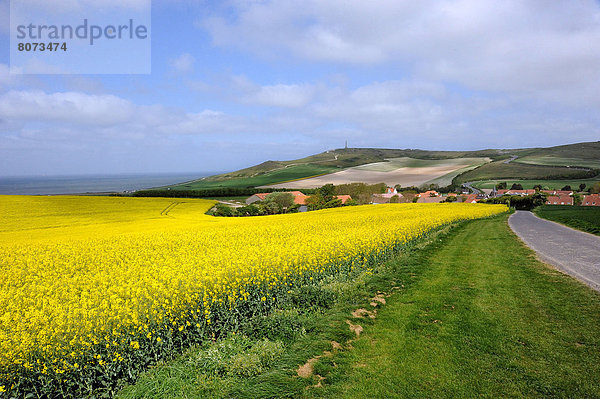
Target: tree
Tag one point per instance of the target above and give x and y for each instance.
(283, 200)
(333, 203)
(223, 210)
(566, 188)
(395, 199)
(537, 187)
(595, 189)
(271, 208)
(516, 186)
(248, 210)
(315, 202)
(582, 187)
(327, 191)
(501, 186)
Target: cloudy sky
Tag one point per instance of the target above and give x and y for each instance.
(235, 83)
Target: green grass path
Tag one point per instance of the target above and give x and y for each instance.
(481, 318)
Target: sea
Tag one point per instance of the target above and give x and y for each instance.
(84, 184)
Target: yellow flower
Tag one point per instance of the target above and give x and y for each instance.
(78, 271)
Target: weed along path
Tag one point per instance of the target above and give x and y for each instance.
(572, 251)
(477, 315)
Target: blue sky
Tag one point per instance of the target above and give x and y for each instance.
(235, 83)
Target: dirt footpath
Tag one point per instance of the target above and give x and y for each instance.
(572, 251)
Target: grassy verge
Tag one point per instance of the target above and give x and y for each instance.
(485, 318)
(234, 366)
(584, 218)
(472, 313)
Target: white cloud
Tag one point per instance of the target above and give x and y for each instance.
(280, 95)
(533, 47)
(69, 107)
(183, 64)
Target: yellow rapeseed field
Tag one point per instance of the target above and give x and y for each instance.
(89, 281)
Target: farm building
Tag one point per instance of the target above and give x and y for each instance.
(558, 192)
(430, 200)
(469, 198)
(559, 200)
(591, 200)
(299, 198)
(344, 198)
(429, 193)
(384, 198)
(500, 193)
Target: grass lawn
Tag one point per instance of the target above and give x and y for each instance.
(484, 318)
(528, 184)
(473, 314)
(585, 218)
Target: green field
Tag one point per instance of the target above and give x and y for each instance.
(261, 178)
(500, 170)
(550, 160)
(457, 324)
(585, 218)
(546, 184)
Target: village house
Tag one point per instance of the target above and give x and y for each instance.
(469, 198)
(299, 198)
(430, 200)
(344, 198)
(562, 199)
(558, 192)
(384, 198)
(429, 193)
(591, 200)
(522, 193)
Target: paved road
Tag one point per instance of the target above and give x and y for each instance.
(468, 185)
(572, 251)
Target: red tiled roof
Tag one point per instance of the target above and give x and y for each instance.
(558, 192)
(344, 198)
(591, 200)
(299, 198)
(428, 193)
(430, 200)
(559, 200)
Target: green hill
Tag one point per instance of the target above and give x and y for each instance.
(572, 161)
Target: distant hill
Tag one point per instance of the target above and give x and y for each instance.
(570, 161)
